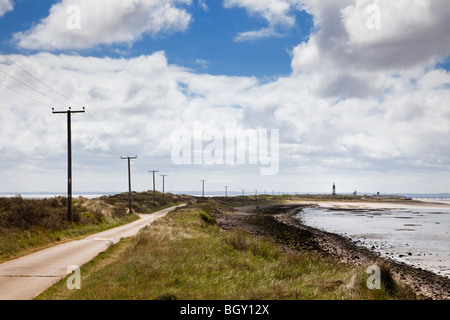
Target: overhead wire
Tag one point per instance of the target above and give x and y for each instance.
(30, 87)
(112, 144)
(25, 95)
(36, 78)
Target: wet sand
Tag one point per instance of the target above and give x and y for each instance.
(406, 204)
(414, 234)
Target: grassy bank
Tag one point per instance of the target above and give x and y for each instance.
(187, 256)
(28, 225)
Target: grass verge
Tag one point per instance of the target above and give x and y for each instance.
(29, 225)
(187, 256)
(16, 242)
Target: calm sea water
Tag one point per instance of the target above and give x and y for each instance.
(52, 195)
(417, 236)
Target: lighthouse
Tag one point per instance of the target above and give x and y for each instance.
(334, 189)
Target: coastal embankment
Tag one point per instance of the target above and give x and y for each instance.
(281, 222)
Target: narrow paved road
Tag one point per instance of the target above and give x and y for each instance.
(28, 276)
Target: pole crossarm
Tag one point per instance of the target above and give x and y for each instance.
(69, 111)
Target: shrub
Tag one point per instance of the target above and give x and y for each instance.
(241, 240)
(207, 218)
(25, 213)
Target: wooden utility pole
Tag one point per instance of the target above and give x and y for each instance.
(163, 176)
(129, 179)
(154, 188)
(203, 188)
(69, 158)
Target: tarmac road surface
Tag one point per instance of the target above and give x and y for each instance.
(26, 277)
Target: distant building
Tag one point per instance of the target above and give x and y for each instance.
(334, 189)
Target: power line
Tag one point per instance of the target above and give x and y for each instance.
(112, 143)
(36, 78)
(28, 86)
(57, 101)
(109, 145)
(118, 147)
(26, 96)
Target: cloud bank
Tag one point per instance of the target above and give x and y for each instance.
(363, 106)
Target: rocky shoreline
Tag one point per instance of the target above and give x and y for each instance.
(277, 222)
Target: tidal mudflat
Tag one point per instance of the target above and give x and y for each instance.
(417, 234)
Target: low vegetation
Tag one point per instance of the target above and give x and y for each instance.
(27, 225)
(187, 256)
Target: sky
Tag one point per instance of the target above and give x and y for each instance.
(351, 92)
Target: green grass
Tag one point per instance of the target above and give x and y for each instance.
(28, 225)
(15, 242)
(187, 256)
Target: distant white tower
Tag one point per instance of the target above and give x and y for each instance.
(334, 189)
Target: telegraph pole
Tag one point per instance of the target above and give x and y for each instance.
(129, 179)
(163, 176)
(154, 188)
(69, 158)
(203, 188)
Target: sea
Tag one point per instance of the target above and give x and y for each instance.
(418, 235)
(46, 195)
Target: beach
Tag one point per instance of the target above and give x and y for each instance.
(416, 233)
(277, 221)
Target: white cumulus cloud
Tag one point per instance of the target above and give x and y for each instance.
(363, 107)
(277, 13)
(411, 33)
(6, 6)
(134, 105)
(81, 24)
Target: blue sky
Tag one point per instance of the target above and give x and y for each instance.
(365, 108)
(208, 45)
